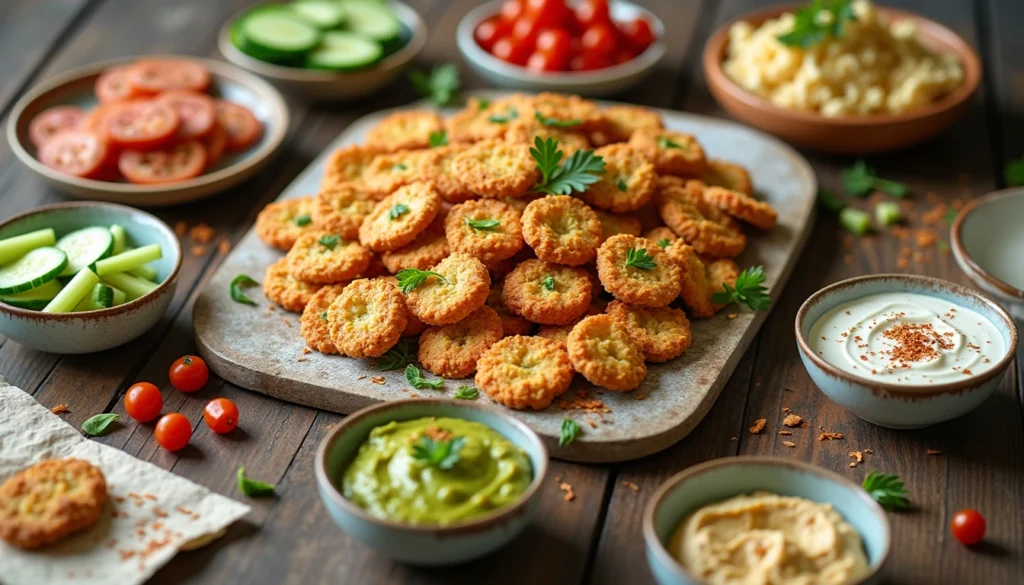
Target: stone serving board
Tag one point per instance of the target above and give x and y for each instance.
(261, 350)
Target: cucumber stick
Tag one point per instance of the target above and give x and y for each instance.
(344, 51)
(84, 247)
(275, 32)
(132, 286)
(100, 297)
(119, 296)
(120, 239)
(145, 272)
(325, 14)
(13, 248)
(372, 19)
(34, 269)
(129, 260)
(34, 299)
(72, 294)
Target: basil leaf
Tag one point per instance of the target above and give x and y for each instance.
(99, 425)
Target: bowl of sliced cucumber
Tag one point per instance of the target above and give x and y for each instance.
(325, 50)
(85, 276)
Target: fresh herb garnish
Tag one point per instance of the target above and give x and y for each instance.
(486, 225)
(818, 20)
(438, 139)
(412, 374)
(400, 167)
(411, 278)
(748, 290)
(302, 220)
(442, 453)
(237, 283)
(483, 103)
(639, 258)
(467, 393)
(396, 358)
(512, 114)
(330, 242)
(664, 243)
(621, 185)
(860, 180)
(253, 488)
(950, 216)
(567, 434)
(664, 142)
(888, 490)
(1013, 172)
(397, 211)
(581, 169)
(548, 282)
(99, 424)
(441, 85)
(323, 315)
(555, 122)
(830, 201)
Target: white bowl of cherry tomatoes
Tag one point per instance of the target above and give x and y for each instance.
(148, 131)
(589, 47)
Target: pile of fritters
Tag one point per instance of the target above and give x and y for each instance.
(531, 288)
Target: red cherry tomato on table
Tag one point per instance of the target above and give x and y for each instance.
(638, 34)
(599, 38)
(52, 121)
(75, 152)
(489, 31)
(143, 402)
(511, 50)
(556, 45)
(156, 75)
(968, 527)
(173, 431)
(196, 111)
(141, 125)
(174, 163)
(221, 415)
(240, 123)
(189, 373)
(591, 12)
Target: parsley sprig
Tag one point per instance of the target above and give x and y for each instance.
(664, 243)
(860, 180)
(512, 114)
(467, 393)
(438, 139)
(396, 358)
(548, 283)
(416, 380)
(330, 242)
(567, 434)
(817, 21)
(484, 225)
(397, 210)
(749, 290)
(302, 220)
(888, 490)
(581, 169)
(442, 454)
(556, 122)
(410, 278)
(441, 85)
(639, 258)
(664, 142)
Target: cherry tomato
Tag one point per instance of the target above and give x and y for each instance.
(189, 373)
(240, 123)
(556, 45)
(489, 31)
(588, 61)
(548, 13)
(174, 163)
(141, 125)
(525, 31)
(511, 10)
(542, 63)
(638, 34)
(114, 85)
(75, 152)
(221, 415)
(215, 143)
(196, 111)
(156, 75)
(143, 402)
(51, 121)
(968, 527)
(591, 12)
(511, 50)
(599, 38)
(173, 431)
(622, 55)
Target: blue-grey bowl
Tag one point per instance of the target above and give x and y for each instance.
(900, 406)
(720, 479)
(425, 544)
(91, 331)
(987, 241)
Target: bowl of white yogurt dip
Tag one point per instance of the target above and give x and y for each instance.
(904, 351)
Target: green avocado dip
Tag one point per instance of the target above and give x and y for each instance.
(436, 471)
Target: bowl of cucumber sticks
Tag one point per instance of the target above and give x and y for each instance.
(325, 50)
(85, 276)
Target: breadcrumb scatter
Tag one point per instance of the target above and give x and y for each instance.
(785, 433)
(793, 420)
(202, 233)
(758, 426)
(631, 486)
(827, 436)
(789, 444)
(868, 451)
(857, 457)
(198, 250)
(60, 409)
(378, 380)
(569, 494)
(731, 316)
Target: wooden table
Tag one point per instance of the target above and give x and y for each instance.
(595, 538)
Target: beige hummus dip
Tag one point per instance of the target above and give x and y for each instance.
(767, 539)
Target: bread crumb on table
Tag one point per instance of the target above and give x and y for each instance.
(570, 495)
(758, 426)
(793, 420)
(631, 486)
(789, 444)
(827, 436)
(60, 409)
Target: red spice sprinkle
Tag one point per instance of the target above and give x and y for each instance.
(915, 342)
(159, 512)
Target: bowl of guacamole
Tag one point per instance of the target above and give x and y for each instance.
(431, 481)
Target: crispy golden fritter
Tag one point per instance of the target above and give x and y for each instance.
(478, 121)
(706, 228)
(622, 121)
(547, 293)
(387, 172)
(462, 289)
(471, 229)
(661, 235)
(445, 178)
(628, 181)
(280, 223)
(527, 131)
(606, 355)
(565, 108)
(347, 164)
(673, 153)
(407, 130)
(340, 208)
(511, 324)
(562, 229)
(720, 272)
(324, 258)
(524, 372)
(637, 284)
(429, 248)
(662, 333)
(314, 323)
(281, 288)
(742, 206)
(612, 225)
(400, 217)
(452, 351)
(495, 169)
(694, 289)
(556, 333)
(367, 318)
(720, 173)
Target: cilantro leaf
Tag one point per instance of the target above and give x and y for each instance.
(330, 242)
(664, 142)
(581, 169)
(664, 243)
(556, 122)
(396, 358)
(567, 434)
(442, 454)
(441, 85)
(411, 278)
(860, 180)
(888, 490)
(621, 185)
(236, 289)
(512, 114)
(438, 139)
(749, 290)
(485, 225)
(548, 282)
(818, 20)
(253, 488)
(1013, 173)
(397, 211)
(639, 258)
(302, 220)
(467, 393)
(416, 380)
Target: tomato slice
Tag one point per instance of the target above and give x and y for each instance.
(75, 152)
(156, 75)
(240, 123)
(52, 121)
(196, 111)
(141, 125)
(174, 163)
(114, 85)
(216, 142)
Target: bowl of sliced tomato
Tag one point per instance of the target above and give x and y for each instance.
(588, 47)
(148, 131)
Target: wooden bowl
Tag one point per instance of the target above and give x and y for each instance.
(76, 88)
(846, 134)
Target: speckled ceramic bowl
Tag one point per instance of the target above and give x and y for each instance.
(720, 479)
(92, 331)
(987, 244)
(426, 545)
(900, 406)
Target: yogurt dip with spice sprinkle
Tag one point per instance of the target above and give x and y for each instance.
(907, 338)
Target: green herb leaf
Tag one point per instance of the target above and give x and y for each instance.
(818, 20)
(442, 454)
(396, 358)
(621, 185)
(412, 374)
(323, 315)
(400, 167)
(411, 278)
(556, 122)
(581, 169)
(749, 290)
(438, 139)
(639, 258)
(441, 85)
(397, 211)
(253, 488)
(483, 103)
(1013, 172)
(237, 283)
(330, 242)
(302, 220)
(860, 180)
(486, 225)
(548, 282)
(567, 434)
(512, 114)
(99, 424)
(664, 243)
(467, 393)
(830, 201)
(664, 142)
(950, 216)
(888, 490)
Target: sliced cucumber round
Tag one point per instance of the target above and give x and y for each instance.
(344, 51)
(276, 33)
(84, 247)
(36, 268)
(371, 18)
(100, 297)
(34, 299)
(325, 14)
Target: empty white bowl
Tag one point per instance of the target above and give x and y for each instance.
(988, 242)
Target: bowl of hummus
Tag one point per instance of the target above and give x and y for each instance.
(905, 351)
(744, 520)
(431, 481)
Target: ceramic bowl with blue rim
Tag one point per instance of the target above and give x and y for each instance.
(720, 479)
(94, 330)
(427, 544)
(903, 406)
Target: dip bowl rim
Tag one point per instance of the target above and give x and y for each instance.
(676, 481)
(974, 381)
(962, 255)
(483, 523)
